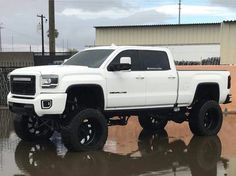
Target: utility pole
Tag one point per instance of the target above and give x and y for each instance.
(180, 11)
(1, 37)
(42, 17)
(51, 27)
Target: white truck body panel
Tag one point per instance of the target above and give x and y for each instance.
(189, 80)
(122, 89)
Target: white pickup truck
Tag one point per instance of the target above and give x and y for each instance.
(104, 86)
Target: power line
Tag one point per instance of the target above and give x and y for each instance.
(42, 17)
(21, 34)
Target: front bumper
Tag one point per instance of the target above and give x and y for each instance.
(24, 105)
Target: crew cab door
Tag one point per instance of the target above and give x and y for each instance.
(126, 88)
(161, 80)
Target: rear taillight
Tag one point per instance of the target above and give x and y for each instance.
(229, 82)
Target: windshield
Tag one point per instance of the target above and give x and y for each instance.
(89, 58)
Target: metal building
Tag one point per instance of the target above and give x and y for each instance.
(222, 34)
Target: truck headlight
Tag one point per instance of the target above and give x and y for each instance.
(49, 81)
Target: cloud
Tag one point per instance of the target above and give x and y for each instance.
(148, 16)
(81, 32)
(113, 13)
(224, 3)
(190, 10)
(75, 19)
(96, 5)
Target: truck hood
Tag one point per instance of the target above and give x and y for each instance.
(60, 70)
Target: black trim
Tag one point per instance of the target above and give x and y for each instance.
(117, 92)
(228, 99)
(28, 98)
(43, 107)
(82, 85)
(21, 86)
(229, 82)
(88, 85)
(125, 112)
(19, 108)
(203, 84)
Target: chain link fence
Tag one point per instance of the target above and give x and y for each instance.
(4, 84)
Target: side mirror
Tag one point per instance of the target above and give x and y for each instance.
(125, 60)
(65, 60)
(125, 64)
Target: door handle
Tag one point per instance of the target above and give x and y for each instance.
(140, 77)
(171, 77)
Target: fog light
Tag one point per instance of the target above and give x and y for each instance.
(46, 104)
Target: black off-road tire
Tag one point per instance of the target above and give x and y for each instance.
(206, 118)
(203, 155)
(87, 131)
(25, 129)
(152, 122)
(35, 157)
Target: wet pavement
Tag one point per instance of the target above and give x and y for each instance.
(129, 151)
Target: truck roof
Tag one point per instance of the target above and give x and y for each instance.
(129, 47)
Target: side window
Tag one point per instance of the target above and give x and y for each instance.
(136, 65)
(154, 60)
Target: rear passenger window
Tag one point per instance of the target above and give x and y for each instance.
(154, 60)
(136, 65)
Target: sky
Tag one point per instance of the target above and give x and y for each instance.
(75, 19)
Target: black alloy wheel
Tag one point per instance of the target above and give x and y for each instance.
(33, 128)
(152, 122)
(206, 118)
(87, 131)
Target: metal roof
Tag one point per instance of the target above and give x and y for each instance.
(160, 25)
(229, 21)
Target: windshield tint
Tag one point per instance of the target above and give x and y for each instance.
(89, 58)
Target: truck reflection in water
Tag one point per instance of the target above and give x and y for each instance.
(156, 155)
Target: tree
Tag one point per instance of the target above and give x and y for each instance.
(72, 50)
(56, 33)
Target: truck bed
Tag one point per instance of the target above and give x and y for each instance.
(190, 79)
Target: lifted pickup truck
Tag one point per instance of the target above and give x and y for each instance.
(104, 86)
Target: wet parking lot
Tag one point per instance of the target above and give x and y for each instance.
(129, 151)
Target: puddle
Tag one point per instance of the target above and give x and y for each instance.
(129, 151)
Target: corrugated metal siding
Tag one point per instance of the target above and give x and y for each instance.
(159, 35)
(191, 34)
(228, 43)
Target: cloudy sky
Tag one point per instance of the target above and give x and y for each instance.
(75, 19)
